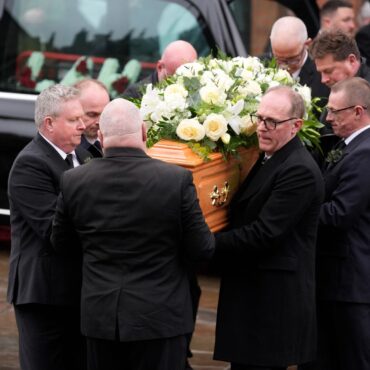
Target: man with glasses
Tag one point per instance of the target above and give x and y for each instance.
(289, 44)
(266, 312)
(343, 270)
(337, 58)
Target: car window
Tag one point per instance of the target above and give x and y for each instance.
(49, 41)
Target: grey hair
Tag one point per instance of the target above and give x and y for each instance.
(49, 102)
(297, 108)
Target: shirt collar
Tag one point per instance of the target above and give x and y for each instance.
(356, 133)
(59, 151)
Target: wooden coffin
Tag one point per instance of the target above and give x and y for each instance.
(216, 181)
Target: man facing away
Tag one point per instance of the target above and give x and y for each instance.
(266, 315)
(289, 44)
(139, 226)
(44, 287)
(94, 97)
(175, 55)
(343, 271)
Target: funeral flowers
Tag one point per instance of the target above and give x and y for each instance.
(208, 104)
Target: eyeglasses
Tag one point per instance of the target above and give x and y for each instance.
(291, 60)
(270, 123)
(336, 111)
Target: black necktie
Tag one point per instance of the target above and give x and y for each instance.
(341, 144)
(97, 144)
(69, 160)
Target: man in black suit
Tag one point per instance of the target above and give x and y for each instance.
(343, 272)
(45, 287)
(174, 55)
(266, 313)
(289, 44)
(337, 58)
(94, 97)
(139, 226)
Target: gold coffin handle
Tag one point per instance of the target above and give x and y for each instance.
(219, 197)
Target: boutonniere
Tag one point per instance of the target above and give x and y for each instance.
(87, 159)
(334, 156)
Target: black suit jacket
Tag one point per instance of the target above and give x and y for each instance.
(91, 148)
(310, 77)
(266, 313)
(344, 228)
(138, 224)
(136, 90)
(36, 273)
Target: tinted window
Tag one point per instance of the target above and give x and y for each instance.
(42, 39)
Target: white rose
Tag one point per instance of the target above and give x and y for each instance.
(175, 89)
(211, 94)
(225, 138)
(283, 76)
(251, 88)
(247, 127)
(190, 129)
(215, 126)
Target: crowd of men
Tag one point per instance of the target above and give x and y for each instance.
(105, 238)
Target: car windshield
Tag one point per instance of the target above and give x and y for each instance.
(49, 41)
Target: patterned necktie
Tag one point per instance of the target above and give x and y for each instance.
(69, 160)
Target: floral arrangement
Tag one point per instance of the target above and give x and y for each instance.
(334, 156)
(208, 103)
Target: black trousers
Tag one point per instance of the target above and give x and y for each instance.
(343, 337)
(49, 337)
(155, 354)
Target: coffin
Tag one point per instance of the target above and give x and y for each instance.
(216, 181)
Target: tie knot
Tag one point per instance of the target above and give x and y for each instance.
(69, 160)
(97, 144)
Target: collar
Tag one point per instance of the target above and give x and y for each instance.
(124, 152)
(59, 151)
(356, 133)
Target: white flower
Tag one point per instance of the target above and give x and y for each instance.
(175, 89)
(218, 78)
(215, 126)
(305, 92)
(247, 127)
(190, 129)
(251, 88)
(190, 69)
(226, 138)
(283, 76)
(211, 94)
(149, 101)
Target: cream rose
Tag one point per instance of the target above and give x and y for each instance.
(190, 129)
(211, 94)
(215, 126)
(247, 127)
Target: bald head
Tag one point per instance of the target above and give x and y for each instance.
(289, 40)
(175, 55)
(121, 125)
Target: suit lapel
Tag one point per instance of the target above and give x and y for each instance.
(265, 173)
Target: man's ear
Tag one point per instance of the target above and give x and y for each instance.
(143, 132)
(297, 125)
(308, 42)
(101, 139)
(48, 124)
